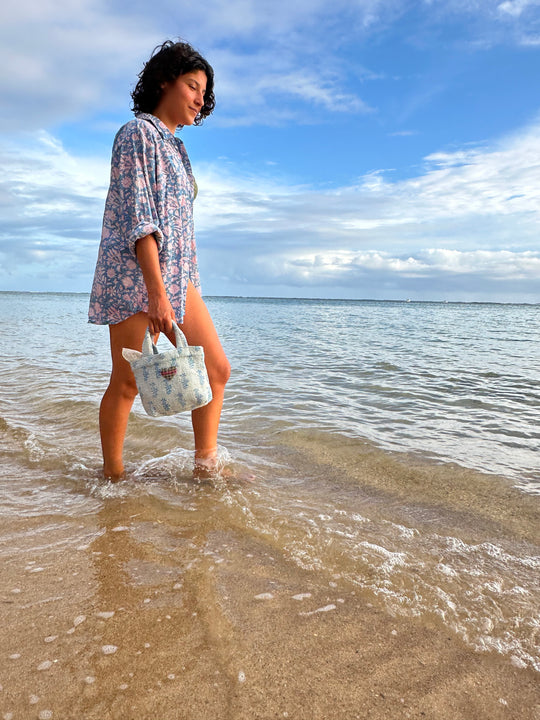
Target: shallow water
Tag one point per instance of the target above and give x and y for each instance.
(384, 451)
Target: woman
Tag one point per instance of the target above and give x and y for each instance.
(146, 273)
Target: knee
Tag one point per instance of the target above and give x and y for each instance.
(124, 388)
(129, 390)
(219, 373)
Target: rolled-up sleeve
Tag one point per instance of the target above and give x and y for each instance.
(131, 203)
(150, 193)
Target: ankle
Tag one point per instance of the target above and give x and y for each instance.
(204, 454)
(206, 463)
(115, 475)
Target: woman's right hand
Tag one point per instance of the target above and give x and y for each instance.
(160, 313)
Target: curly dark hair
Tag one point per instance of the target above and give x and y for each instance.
(167, 62)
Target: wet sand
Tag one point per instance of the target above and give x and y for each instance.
(113, 616)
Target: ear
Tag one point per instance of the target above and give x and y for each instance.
(130, 355)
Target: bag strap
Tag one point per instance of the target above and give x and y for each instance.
(149, 347)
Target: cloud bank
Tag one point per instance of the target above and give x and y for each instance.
(467, 222)
(462, 225)
(67, 59)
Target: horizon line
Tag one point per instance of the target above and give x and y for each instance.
(308, 299)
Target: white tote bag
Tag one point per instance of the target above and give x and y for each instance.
(172, 381)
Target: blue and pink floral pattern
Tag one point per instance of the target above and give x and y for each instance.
(151, 192)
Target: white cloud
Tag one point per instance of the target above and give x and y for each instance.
(278, 20)
(470, 221)
(52, 203)
(473, 214)
(319, 90)
(69, 57)
(515, 8)
(473, 197)
(64, 59)
(272, 86)
(334, 267)
(376, 239)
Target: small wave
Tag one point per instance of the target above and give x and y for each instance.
(173, 471)
(482, 592)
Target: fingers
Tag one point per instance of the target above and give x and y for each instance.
(160, 315)
(161, 324)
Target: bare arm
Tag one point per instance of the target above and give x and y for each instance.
(160, 312)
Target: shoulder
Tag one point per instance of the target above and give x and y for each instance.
(134, 143)
(134, 146)
(136, 132)
(137, 135)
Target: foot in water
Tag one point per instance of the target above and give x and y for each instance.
(114, 478)
(209, 466)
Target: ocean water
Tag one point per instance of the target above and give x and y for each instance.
(390, 448)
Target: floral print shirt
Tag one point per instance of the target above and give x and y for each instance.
(151, 192)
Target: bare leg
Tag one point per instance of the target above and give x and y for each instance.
(119, 396)
(199, 330)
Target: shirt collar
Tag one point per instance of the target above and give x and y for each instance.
(160, 126)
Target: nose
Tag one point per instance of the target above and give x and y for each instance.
(200, 98)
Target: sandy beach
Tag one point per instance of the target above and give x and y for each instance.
(102, 626)
(382, 561)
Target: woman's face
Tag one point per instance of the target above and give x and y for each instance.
(182, 99)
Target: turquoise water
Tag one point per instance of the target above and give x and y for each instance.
(393, 446)
(450, 382)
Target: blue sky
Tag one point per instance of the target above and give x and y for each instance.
(380, 149)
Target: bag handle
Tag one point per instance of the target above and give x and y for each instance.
(149, 347)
